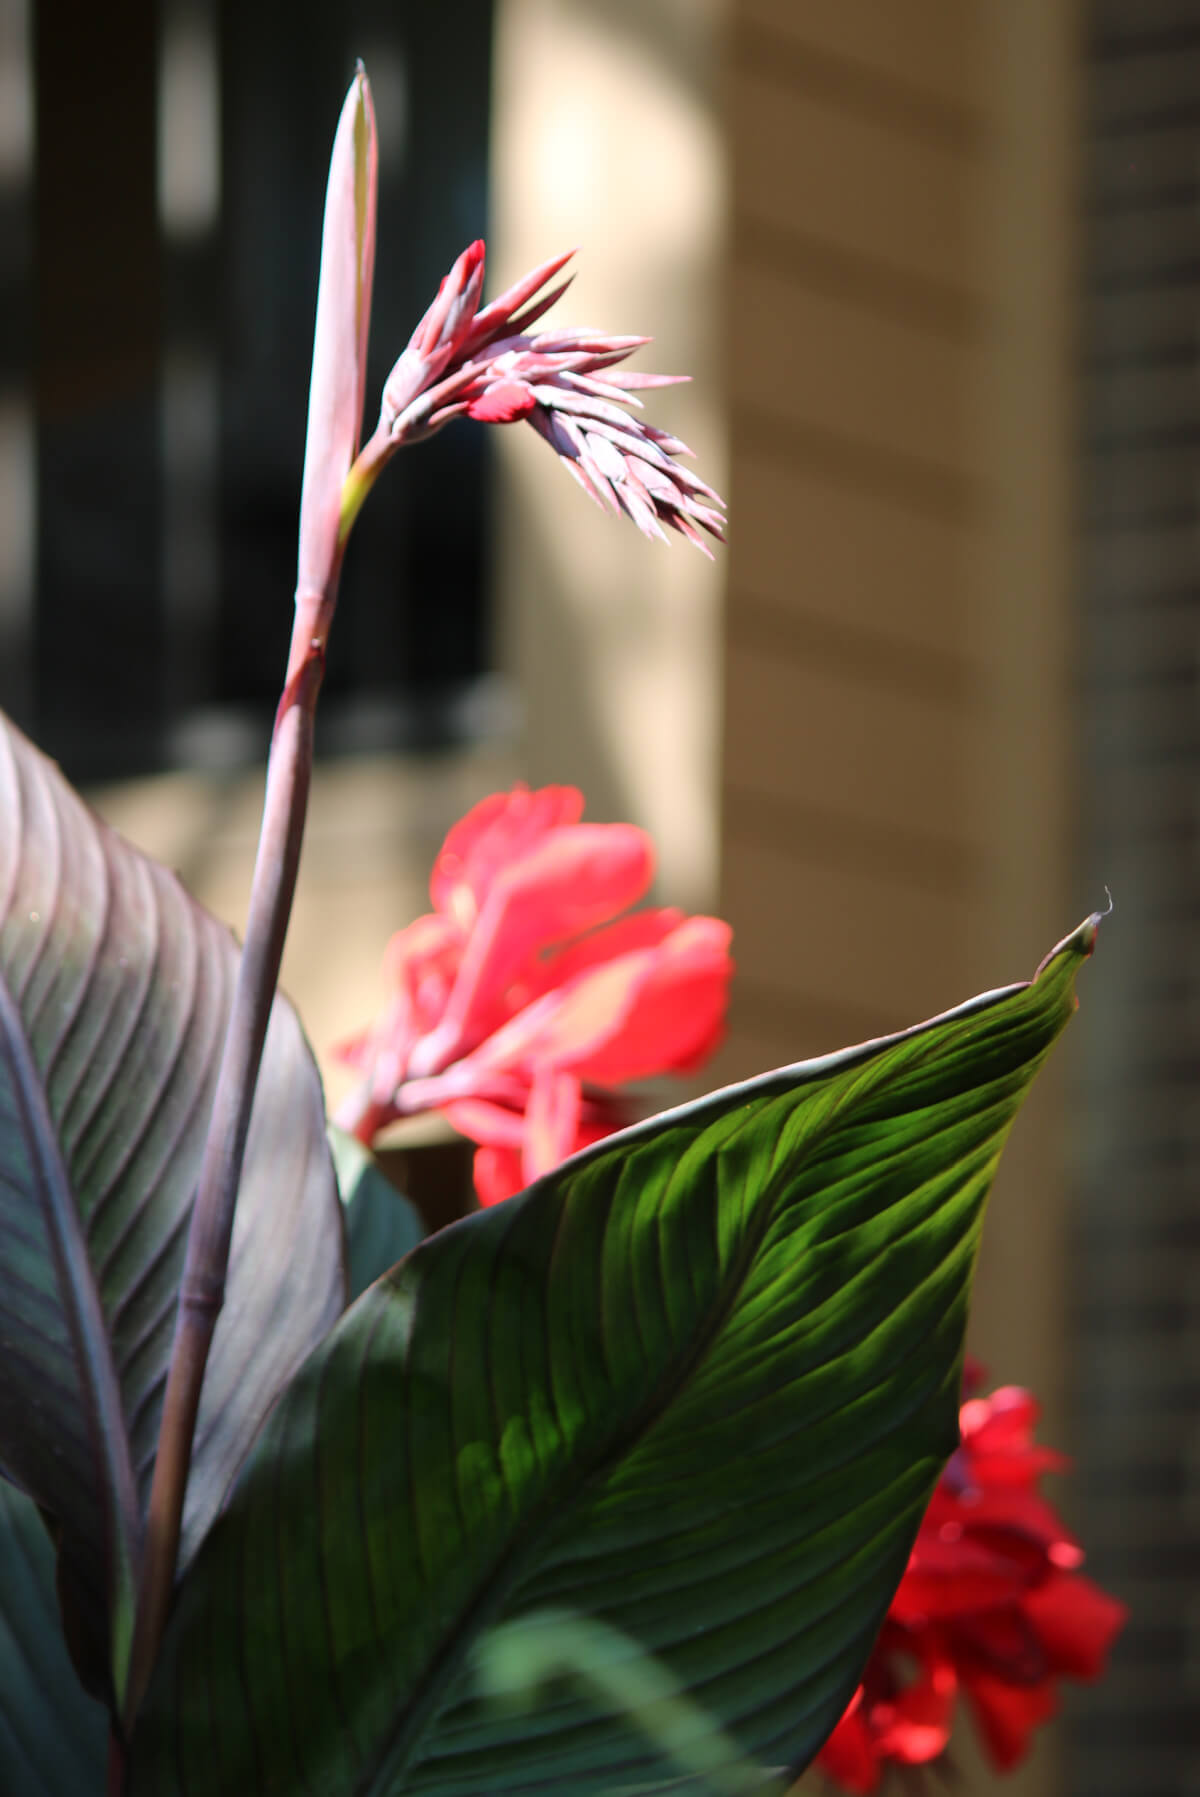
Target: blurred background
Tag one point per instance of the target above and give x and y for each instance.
(935, 265)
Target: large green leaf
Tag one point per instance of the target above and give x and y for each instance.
(697, 1386)
(53, 1737)
(115, 991)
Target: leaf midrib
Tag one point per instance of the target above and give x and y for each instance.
(397, 1754)
(552, 1516)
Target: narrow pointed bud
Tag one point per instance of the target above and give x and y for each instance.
(339, 370)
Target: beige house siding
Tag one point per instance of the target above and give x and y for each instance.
(895, 774)
(851, 858)
(608, 133)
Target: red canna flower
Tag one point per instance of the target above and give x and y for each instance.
(524, 1004)
(487, 364)
(992, 1603)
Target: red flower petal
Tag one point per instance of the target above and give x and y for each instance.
(660, 1011)
(985, 1512)
(524, 1001)
(573, 879)
(490, 1124)
(641, 929)
(497, 1174)
(493, 834)
(1000, 1641)
(997, 1434)
(551, 1123)
(503, 402)
(1006, 1715)
(1076, 1623)
(921, 1715)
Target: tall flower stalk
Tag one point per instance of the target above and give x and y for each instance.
(334, 427)
(463, 360)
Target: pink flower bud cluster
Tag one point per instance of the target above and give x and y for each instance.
(463, 361)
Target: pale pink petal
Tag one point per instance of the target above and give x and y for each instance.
(641, 929)
(526, 1040)
(652, 1010)
(573, 879)
(499, 313)
(497, 1174)
(663, 1014)
(495, 1125)
(493, 834)
(520, 323)
(551, 1122)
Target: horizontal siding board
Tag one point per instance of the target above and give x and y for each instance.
(1136, 488)
(1120, 25)
(822, 739)
(1139, 642)
(1144, 323)
(1125, 1380)
(1151, 245)
(1128, 173)
(896, 953)
(814, 361)
(930, 48)
(1161, 723)
(895, 478)
(1146, 406)
(1147, 802)
(1142, 569)
(809, 630)
(1142, 1273)
(904, 203)
(1157, 87)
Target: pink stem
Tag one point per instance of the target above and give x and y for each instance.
(202, 1289)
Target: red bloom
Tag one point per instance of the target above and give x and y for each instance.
(991, 1601)
(524, 1002)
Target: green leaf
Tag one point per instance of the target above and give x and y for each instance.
(697, 1385)
(115, 991)
(516, 1662)
(381, 1226)
(53, 1737)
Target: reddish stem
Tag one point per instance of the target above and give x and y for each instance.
(202, 1289)
(116, 1763)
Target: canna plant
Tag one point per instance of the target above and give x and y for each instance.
(608, 1485)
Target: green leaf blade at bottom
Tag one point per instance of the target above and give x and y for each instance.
(697, 1385)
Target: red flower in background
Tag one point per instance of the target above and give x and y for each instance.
(525, 1001)
(992, 1604)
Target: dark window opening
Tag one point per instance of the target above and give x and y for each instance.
(178, 176)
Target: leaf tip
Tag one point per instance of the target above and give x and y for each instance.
(1081, 942)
